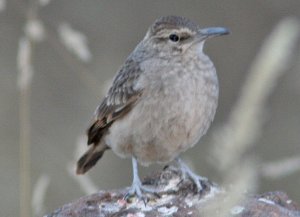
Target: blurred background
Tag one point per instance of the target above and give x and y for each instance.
(74, 48)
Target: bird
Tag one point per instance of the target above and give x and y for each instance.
(161, 101)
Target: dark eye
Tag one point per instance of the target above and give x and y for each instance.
(174, 37)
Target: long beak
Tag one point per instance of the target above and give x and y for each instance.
(212, 32)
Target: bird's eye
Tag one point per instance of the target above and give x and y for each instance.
(174, 37)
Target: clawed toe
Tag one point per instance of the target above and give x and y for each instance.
(137, 189)
(141, 192)
(200, 182)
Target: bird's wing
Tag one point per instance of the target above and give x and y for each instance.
(120, 99)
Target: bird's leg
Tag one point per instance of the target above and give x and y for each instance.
(137, 188)
(186, 171)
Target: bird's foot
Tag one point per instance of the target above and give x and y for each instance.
(200, 182)
(137, 189)
(141, 192)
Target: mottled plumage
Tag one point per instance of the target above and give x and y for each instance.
(118, 101)
(161, 101)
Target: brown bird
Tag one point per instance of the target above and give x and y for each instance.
(161, 102)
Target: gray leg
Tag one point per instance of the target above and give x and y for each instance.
(193, 176)
(137, 188)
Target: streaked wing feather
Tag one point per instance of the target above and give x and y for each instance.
(120, 99)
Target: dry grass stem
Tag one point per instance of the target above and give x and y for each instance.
(281, 168)
(75, 41)
(246, 120)
(35, 30)
(2, 5)
(24, 81)
(85, 182)
(25, 70)
(39, 195)
(239, 181)
(24, 63)
(44, 2)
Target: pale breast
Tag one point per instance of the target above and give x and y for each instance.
(175, 110)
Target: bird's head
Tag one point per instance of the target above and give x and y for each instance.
(174, 35)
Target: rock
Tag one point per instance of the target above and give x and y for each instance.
(178, 198)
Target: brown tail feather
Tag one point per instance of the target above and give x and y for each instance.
(96, 131)
(90, 158)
